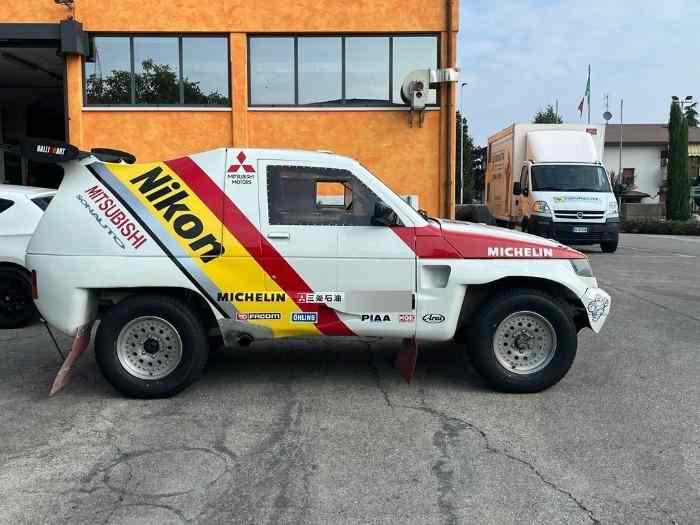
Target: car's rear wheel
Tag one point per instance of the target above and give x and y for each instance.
(523, 341)
(151, 346)
(16, 305)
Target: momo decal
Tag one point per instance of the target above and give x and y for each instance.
(252, 297)
(166, 196)
(304, 317)
(407, 318)
(375, 318)
(107, 210)
(320, 297)
(519, 252)
(258, 316)
(433, 318)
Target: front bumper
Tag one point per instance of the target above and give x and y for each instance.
(564, 231)
(597, 303)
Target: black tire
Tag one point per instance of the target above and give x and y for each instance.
(609, 246)
(16, 304)
(195, 347)
(497, 309)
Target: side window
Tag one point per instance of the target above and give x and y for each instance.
(5, 204)
(523, 178)
(298, 195)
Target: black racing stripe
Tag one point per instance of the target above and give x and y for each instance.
(159, 242)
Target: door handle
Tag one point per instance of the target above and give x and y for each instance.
(278, 235)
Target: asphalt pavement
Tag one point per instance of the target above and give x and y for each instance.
(319, 432)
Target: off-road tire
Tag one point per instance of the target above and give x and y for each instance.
(195, 347)
(481, 348)
(16, 304)
(609, 246)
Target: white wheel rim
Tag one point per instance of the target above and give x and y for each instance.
(524, 343)
(149, 348)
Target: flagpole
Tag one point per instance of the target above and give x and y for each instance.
(589, 94)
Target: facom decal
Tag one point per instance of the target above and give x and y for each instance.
(258, 316)
(252, 297)
(433, 318)
(304, 317)
(166, 196)
(518, 252)
(320, 297)
(375, 318)
(106, 210)
(407, 318)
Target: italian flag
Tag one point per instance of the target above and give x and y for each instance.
(587, 94)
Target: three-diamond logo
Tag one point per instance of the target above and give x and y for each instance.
(248, 168)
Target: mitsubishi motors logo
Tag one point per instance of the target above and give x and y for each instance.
(248, 168)
(241, 173)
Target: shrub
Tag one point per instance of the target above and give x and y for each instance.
(661, 228)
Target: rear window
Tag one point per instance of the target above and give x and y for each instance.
(43, 202)
(5, 204)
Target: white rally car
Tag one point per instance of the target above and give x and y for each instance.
(21, 208)
(257, 244)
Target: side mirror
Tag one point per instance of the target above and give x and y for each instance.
(517, 189)
(384, 216)
(526, 192)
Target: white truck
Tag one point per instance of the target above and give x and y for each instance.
(245, 244)
(549, 180)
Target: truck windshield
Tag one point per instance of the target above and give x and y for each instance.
(570, 177)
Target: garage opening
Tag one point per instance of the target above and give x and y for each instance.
(32, 105)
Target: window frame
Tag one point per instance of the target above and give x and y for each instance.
(132, 89)
(343, 36)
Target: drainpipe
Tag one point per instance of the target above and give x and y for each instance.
(450, 153)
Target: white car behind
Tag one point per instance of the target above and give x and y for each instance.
(21, 207)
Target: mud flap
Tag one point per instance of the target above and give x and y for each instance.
(80, 344)
(406, 358)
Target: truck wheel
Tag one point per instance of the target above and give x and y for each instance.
(16, 305)
(523, 341)
(609, 246)
(151, 346)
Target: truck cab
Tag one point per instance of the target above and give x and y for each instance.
(238, 245)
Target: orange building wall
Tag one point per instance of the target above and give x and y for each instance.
(410, 160)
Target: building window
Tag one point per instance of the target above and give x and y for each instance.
(300, 195)
(336, 70)
(158, 71)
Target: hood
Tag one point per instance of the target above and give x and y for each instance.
(479, 241)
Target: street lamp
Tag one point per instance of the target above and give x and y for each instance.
(461, 142)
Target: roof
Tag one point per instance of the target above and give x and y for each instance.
(644, 134)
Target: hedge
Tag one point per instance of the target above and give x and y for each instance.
(661, 228)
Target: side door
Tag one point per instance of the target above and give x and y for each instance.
(520, 202)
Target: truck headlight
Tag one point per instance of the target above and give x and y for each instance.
(541, 208)
(582, 267)
(612, 208)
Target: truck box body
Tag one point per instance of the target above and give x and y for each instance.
(580, 206)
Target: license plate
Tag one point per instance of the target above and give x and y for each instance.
(580, 229)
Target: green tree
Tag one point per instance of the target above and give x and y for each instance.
(547, 115)
(465, 144)
(678, 192)
(691, 115)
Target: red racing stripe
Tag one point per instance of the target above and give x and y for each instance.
(235, 221)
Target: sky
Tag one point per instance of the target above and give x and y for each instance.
(517, 56)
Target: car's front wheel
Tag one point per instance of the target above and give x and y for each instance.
(151, 346)
(16, 305)
(522, 340)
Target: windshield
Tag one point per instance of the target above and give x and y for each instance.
(570, 177)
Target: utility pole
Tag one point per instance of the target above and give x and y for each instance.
(589, 93)
(461, 143)
(619, 173)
